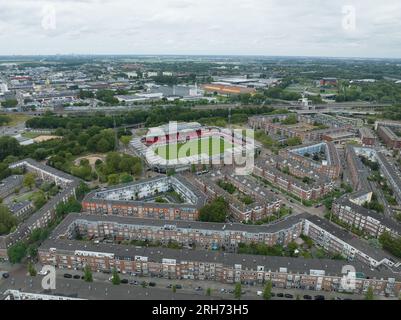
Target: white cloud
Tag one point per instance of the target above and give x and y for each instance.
(266, 27)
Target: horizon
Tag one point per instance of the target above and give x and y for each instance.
(199, 55)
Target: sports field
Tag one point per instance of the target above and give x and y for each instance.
(211, 146)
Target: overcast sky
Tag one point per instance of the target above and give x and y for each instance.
(243, 27)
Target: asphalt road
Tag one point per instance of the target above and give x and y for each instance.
(103, 289)
(12, 130)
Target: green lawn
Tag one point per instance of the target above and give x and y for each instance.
(31, 135)
(211, 146)
(23, 197)
(16, 118)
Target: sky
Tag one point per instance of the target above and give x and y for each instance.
(339, 28)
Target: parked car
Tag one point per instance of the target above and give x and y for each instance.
(319, 297)
(169, 286)
(178, 286)
(152, 284)
(289, 296)
(134, 282)
(67, 275)
(124, 281)
(77, 277)
(280, 295)
(199, 289)
(307, 297)
(6, 275)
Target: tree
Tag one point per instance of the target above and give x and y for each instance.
(103, 145)
(9, 146)
(267, 292)
(174, 288)
(126, 178)
(113, 179)
(126, 164)
(17, 252)
(29, 180)
(7, 220)
(82, 190)
(83, 94)
(216, 211)
(369, 294)
(10, 103)
(116, 278)
(31, 269)
(208, 292)
(72, 205)
(238, 291)
(39, 199)
(32, 251)
(125, 140)
(4, 120)
(88, 274)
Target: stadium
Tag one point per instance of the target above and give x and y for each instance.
(179, 145)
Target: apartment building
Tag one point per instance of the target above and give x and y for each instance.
(9, 184)
(390, 138)
(44, 215)
(392, 174)
(358, 173)
(367, 136)
(267, 170)
(330, 166)
(263, 202)
(205, 235)
(139, 199)
(368, 221)
(45, 172)
(309, 274)
(258, 122)
(337, 240)
(302, 130)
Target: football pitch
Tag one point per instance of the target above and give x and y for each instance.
(211, 146)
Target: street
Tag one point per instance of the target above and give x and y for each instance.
(101, 288)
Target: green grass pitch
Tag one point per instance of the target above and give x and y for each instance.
(211, 146)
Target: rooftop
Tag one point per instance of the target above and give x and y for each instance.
(293, 265)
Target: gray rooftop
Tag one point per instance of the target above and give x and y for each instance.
(388, 222)
(294, 265)
(196, 225)
(351, 239)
